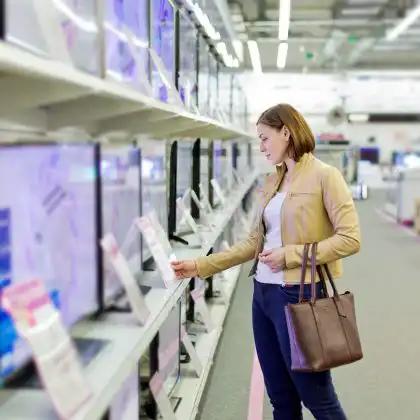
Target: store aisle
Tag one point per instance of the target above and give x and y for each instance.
(386, 282)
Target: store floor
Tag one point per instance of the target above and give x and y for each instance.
(385, 385)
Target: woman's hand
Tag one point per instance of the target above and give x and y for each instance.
(185, 269)
(274, 258)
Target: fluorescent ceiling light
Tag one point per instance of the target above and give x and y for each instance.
(254, 53)
(404, 24)
(284, 19)
(359, 117)
(363, 2)
(353, 11)
(282, 55)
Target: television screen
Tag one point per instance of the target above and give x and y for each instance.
(47, 231)
(162, 42)
(187, 84)
(184, 173)
(30, 25)
(219, 163)
(154, 196)
(204, 78)
(121, 204)
(121, 64)
(204, 165)
(213, 83)
(169, 348)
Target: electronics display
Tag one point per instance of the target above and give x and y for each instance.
(204, 165)
(219, 163)
(204, 77)
(184, 174)
(65, 31)
(47, 231)
(162, 42)
(187, 84)
(121, 204)
(153, 174)
(213, 84)
(169, 348)
(126, 404)
(121, 63)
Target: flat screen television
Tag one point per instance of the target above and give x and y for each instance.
(66, 31)
(121, 205)
(48, 230)
(213, 84)
(154, 192)
(120, 62)
(219, 163)
(184, 175)
(187, 83)
(204, 78)
(162, 42)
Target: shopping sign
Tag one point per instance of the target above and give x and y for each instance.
(39, 323)
(122, 269)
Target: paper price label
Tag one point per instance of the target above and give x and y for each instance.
(202, 308)
(162, 400)
(122, 269)
(218, 191)
(162, 260)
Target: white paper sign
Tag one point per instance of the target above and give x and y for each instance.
(218, 191)
(162, 400)
(202, 308)
(122, 269)
(54, 353)
(189, 219)
(205, 200)
(195, 359)
(161, 234)
(156, 248)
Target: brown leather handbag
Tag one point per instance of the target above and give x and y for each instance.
(323, 332)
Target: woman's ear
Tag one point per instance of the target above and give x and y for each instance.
(286, 133)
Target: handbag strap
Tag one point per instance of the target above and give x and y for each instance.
(330, 279)
(313, 271)
(305, 258)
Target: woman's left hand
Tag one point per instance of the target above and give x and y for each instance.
(274, 258)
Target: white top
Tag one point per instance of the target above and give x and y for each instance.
(272, 239)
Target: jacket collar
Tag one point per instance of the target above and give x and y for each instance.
(304, 161)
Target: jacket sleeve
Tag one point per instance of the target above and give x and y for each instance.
(339, 205)
(238, 254)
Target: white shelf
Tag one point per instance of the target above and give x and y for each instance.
(67, 97)
(128, 341)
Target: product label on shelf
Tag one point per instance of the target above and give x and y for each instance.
(161, 235)
(54, 353)
(163, 402)
(189, 219)
(205, 200)
(157, 250)
(202, 308)
(120, 265)
(195, 359)
(218, 190)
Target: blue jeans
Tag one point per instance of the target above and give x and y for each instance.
(286, 389)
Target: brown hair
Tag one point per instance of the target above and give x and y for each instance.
(302, 139)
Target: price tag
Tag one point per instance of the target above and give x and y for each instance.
(189, 219)
(120, 265)
(53, 351)
(205, 200)
(162, 400)
(156, 248)
(160, 233)
(202, 308)
(218, 191)
(195, 359)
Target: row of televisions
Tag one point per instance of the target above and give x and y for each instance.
(72, 32)
(59, 200)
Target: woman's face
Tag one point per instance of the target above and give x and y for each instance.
(273, 143)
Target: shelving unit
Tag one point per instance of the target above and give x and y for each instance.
(49, 98)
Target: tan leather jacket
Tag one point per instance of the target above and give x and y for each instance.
(318, 208)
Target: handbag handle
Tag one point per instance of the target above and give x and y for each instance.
(330, 279)
(305, 258)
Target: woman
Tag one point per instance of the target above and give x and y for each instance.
(305, 201)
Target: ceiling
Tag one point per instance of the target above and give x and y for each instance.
(329, 35)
